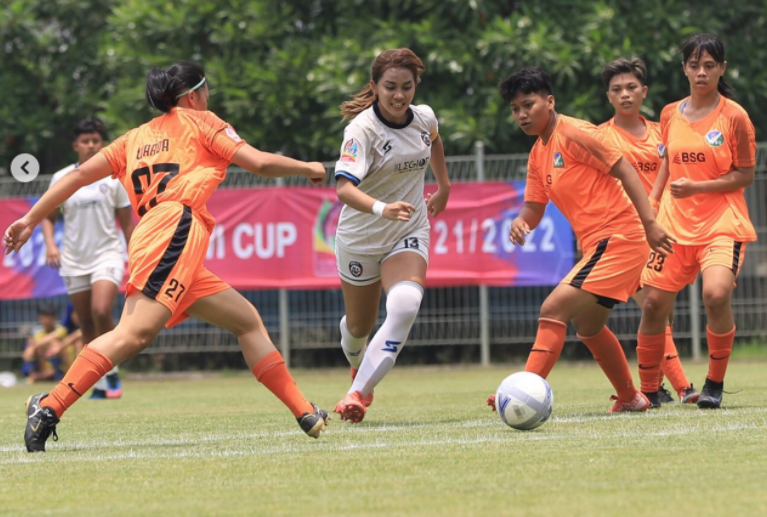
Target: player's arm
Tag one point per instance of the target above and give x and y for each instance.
(436, 203)
(734, 180)
(52, 255)
(528, 220)
(660, 184)
(125, 217)
(276, 166)
(350, 195)
(657, 236)
(91, 171)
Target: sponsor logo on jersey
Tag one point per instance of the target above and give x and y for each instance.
(233, 134)
(559, 162)
(689, 158)
(411, 165)
(714, 138)
(355, 268)
(661, 151)
(349, 153)
(426, 139)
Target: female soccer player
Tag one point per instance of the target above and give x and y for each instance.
(170, 166)
(573, 165)
(710, 158)
(383, 232)
(91, 261)
(640, 141)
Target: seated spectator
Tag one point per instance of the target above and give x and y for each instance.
(50, 350)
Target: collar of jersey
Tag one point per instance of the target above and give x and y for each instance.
(392, 124)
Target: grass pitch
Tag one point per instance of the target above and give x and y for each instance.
(428, 446)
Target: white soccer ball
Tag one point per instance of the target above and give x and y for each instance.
(524, 400)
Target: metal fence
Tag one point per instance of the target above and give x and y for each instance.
(474, 316)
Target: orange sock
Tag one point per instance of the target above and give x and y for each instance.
(672, 366)
(661, 376)
(89, 367)
(719, 350)
(608, 352)
(272, 373)
(547, 347)
(650, 348)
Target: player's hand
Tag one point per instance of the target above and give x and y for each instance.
(684, 187)
(16, 235)
(398, 211)
(659, 239)
(316, 174)
(436, 203)
(519, 228)
(53, 257)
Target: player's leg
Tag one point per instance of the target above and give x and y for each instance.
(81, 294)
(361, 303)
(103, 293)
(228, 309)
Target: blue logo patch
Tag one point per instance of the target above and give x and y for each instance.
(391, 346)
(661, 150)
(714, 138)
(559, 162)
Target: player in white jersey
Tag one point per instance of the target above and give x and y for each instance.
(382, 238)
(92, 258)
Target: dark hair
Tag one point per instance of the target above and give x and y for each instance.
(694, 47)
(531, 79)
(164, 85)
(46, 309)
(89, 125)
(633, 66)
(398, 57)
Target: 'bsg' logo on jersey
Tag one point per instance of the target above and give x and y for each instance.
(690, 158)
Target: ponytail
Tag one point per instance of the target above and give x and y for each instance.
(359, 103)
(724, 88)
(164, 86)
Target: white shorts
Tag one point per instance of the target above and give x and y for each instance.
(112, 271)
(364, 269)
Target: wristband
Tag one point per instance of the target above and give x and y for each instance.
(378, 208)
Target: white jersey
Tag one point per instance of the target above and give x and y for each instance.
(90, 231)
(388, 162)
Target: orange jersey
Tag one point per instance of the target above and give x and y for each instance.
(701, 151)
(645, 154)
(572, 170)
(179, 156)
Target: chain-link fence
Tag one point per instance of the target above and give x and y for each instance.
(478, 316)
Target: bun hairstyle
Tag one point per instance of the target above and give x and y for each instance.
(694, 47)
(163, 86)
(395, 58)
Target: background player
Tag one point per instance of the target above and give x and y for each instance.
(170, 167)
(710, 159)
(91, 260)
(382, 238)
(573, 165)
(640, 141)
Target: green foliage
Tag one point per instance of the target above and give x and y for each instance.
(279, 69)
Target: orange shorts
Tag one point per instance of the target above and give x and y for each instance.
(674, 271)
(167, 251)
(610, 270)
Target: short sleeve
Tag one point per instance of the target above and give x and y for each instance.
(665, 120)
(432, 124)
(116, 155)
(354, 161)
(742, 139)
(534, 190)
(121, 197)
(219, 137)
(591, 147)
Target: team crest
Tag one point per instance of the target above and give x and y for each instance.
(426, 139)
(233, 134)
(349, 152)
(661, 151)
(715, 138)
(559, 162)
(355, 268)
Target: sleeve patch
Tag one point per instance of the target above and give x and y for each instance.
(349, 152)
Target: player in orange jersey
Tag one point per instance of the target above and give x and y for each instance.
(170, 167)
(640, 141)
(573, 165)
(710, 159)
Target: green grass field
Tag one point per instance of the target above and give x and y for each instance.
(428, 446)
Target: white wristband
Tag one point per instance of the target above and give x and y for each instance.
(378, 208)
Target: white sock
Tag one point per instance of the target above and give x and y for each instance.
(101, 384)
(353, 347)
(116, 369)
(402, 303)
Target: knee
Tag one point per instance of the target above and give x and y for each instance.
(653, 309)
(359, 329)
(404, 299)
(551, 310)
(101, 315)
(716, 298)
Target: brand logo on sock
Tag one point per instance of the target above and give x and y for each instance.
(72, 387)
(391, 346)
(354, 354)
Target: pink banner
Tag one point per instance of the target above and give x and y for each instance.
(272, 238)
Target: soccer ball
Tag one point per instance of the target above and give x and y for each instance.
(524, 400)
